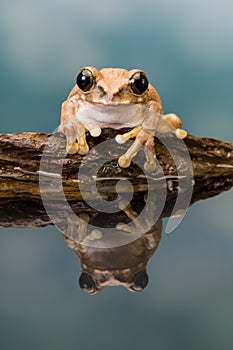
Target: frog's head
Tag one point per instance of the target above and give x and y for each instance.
(123, 265)
(94, 282)
(113, 86)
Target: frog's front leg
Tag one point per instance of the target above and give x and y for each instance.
(75, 130)
(75, 136)
(144, 137)
(125, 160)
(77, 228)
(140, 224)
(77, 231)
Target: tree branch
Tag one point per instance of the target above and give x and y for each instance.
(20, 156)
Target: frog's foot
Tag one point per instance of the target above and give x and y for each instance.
(75, 136)
(127, 209)
(82, 145)
(94, 235)
(143, 137)
(125, 160)
(77, 231)
(175, 121)
(149, 150)
(75, 132)
(132, 215)
(128, 135)
(127, 228)
(138, 225)
(77, 227)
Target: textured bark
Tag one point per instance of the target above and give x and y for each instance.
(20, 156)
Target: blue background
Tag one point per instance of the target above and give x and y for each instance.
(186, 49)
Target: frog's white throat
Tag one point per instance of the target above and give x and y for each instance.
(112, 116)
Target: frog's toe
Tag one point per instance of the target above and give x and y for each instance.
(120, 139)
(83, 149)
(95, 234)
(95, 132)
(128, 135)
(150, 166)
(127, 228)
(181, 134)
(83, 146)
(72, 149)
(124, 161)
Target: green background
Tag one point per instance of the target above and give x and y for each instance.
(186, 49)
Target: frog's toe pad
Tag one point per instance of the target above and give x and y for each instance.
(96, 234)
(120, 139)
(83, 149)
(72, 149)
(124, 162)
(150, 166)
(181, 134)
(95, 132)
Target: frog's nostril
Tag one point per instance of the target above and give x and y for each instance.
(107, 97)
(102, 94)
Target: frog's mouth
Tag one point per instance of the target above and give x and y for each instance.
(113, 116)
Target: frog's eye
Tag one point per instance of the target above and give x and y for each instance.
(87, 283)
(139, 281)
(85, 80)
(139, 83)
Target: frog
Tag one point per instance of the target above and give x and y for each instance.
(116, 98)
(105, 263)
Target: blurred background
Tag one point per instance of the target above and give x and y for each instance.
(186, 49)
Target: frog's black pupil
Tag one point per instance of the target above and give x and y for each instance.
(139, 83)
(140, 281)
(84, 80)
(87, 283)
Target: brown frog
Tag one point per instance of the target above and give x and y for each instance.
(116, 98)
(123, 265)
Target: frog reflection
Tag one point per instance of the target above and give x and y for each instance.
(124, 264)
